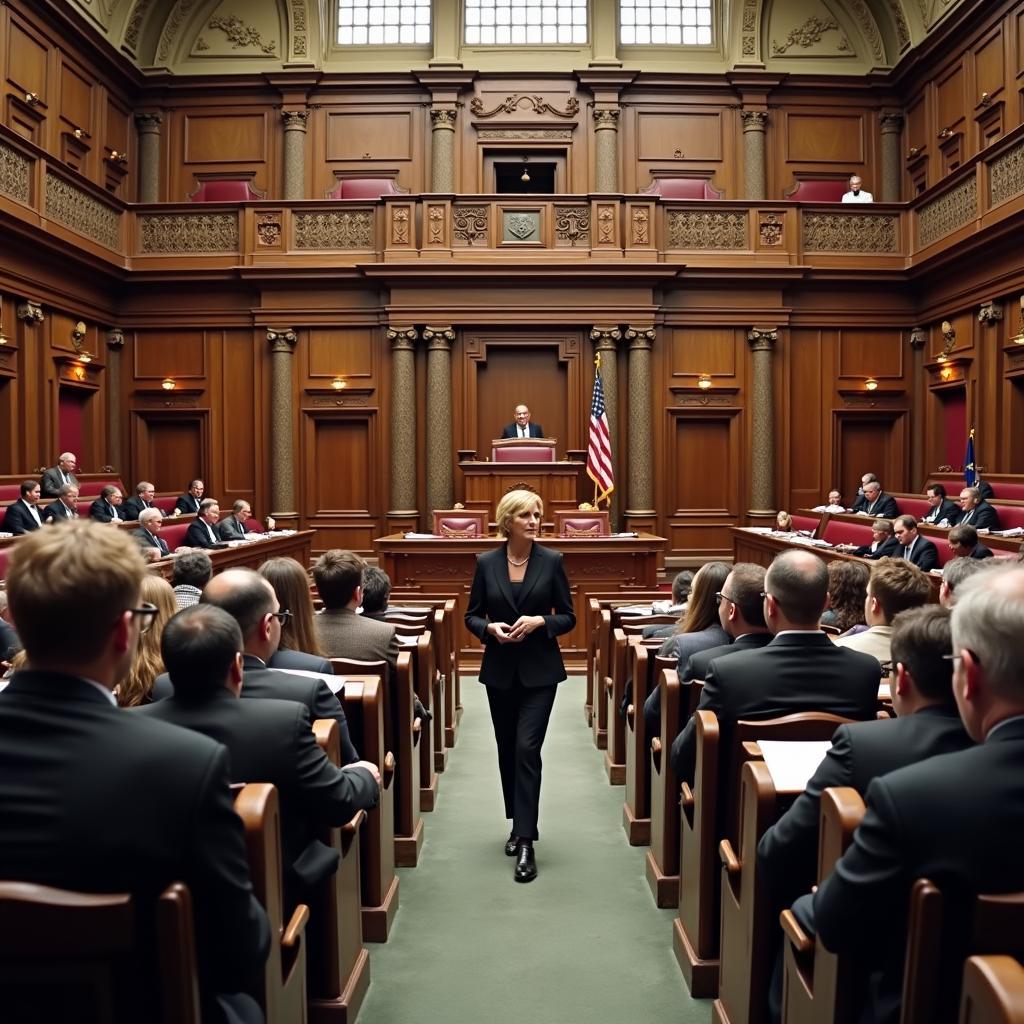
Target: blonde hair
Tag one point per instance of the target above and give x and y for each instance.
(512, 504)
(291, 584)
(83, 576)
(148, 663)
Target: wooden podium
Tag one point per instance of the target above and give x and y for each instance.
(520, 463)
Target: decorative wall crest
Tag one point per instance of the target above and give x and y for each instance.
(770, 230)
(809, 34)
(836, 232)
(240, 35)
(334, 230)
(525, 101)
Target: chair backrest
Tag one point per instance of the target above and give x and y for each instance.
(682, 188)
(570, 523)
(75, 956)
(224, 190)
(365, 188)
(523, 449)
(173, 533)
(92, 489)
(839, 532)
(460, 522)
(993, 991)
(818, 190)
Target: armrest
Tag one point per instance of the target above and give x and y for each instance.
(685, 795)
(353, 826)
(802, 943)
(729, 858)
(389, 769)
(296, 927)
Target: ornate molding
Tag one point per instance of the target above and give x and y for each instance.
(769, 230)
(606, 119)
(15, 173)
(902, 29)
(748, 39)
(762, 339)
(696, 229)
(572, 225)
(402, 338)
(241, 35)
(294, 120)
(838, 232)
(334, 230)
(918, 337)
(298, 33)
(754, 120)
(189, 232)
(809, 33)
(525, 134)
(470, 224)
(640, 337)
(77, 209)
(518, 101)
(990, 312)
(605, 336)
(29, 312)
(438, 338)
(282, 339)
(115, 339)
(944, 214)
(1006, 174)
(268, 229)
(869, 27)
(443, 118)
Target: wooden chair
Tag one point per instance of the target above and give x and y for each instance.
(661, 864)
(363, 699)
(992, 991)
(282, 987)
(75, 956)
(614, 688)
(578, 523)
(819, 986)
(425, 682)
(339, 965)
(598, 706)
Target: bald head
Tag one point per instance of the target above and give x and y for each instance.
(245, 595)
(796, 586)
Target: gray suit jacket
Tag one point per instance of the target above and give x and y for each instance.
(52, 482)
(343, 634)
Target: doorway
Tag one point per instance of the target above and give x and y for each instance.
(524, 172)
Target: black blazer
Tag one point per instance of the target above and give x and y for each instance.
(132, 508)
(197, 535)
(58, 512)
(883, 507)
(96, 799)
(102, 511)
(980, 551)
(146, 539)
(696, 666)
(890, 547)
(945, 510)
(18, 519)
(795, 672)
(982, 517)
(291, 661)
(536, 661)
(186, 504)
(925, 555)
(957, 819)
(272, 741)
(512, 430)
(787, 854)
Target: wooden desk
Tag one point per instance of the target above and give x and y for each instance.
(251, 554)
(556, 483)
(593, 565)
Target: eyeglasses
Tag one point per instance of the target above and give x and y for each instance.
(763, 594)
(887, 668)
(959, 657)
(146, 613)
(720, 597)
(282, 616)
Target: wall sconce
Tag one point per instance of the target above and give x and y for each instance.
(3, 337)
(704, 381)
(871, 384)
(339, 384)
(946, 372)
(77, 338)
(78, 372)
(1017, 339)
(948, 339)
(168, 384)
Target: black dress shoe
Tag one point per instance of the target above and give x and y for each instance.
(511, 845)
(526, 866)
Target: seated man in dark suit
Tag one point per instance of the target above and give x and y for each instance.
(957, 818)
(877, 503)
(376, 593)
(95, 799)
(23, 516)
(522, 426)
(65, 507)
(202, 531)
(917, 549)
(107, 507)
(860, 502)
(883, 543)
(148, 534)
(800, 670)
(143, 499)
(232, 527)
(188, 502)
(942, 509)
(975, 512)
(963, 542)
(57, 476)
(268, 740)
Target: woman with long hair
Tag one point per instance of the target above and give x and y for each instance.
(137, 686)
(847, 590)
(291, 584)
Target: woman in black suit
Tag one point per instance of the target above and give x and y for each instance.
(520, 603)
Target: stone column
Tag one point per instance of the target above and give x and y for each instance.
(641, 440)
(762, 427)
(115, 344)
(891, 125)
(442, 149)
(606, 150)
(605, 338)
(440, 489)
(403, 422)
(282, 453)
(918, 393)
(754, 124)
(294, 153)
(148, 126)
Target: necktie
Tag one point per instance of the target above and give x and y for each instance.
(522, 431)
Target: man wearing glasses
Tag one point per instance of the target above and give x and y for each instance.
(96, 799)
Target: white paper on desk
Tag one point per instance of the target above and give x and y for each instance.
(792, 762)
(635, 609)
(763, 530)
(628, 533)
(420, 536)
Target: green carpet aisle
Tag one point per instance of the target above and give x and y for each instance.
(584, 942)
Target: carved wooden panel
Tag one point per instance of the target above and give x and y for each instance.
(229, 137)
(951, 98)
(75, 98)
(915, 132)
(710, 350)
(346, 352)
(679, 136)
(802, 423)
(874, 353)
(170, 447)
(369, 134)
(819, 138)
(242, 420)
(704, 469)
(26, 85)
(345, 443)
(870, 443)
(180, 354)
(117, 136)
(989, 66)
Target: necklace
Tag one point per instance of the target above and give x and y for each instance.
(512, 561)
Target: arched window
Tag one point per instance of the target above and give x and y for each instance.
(665, 22)
(383, 22)
(525, 22)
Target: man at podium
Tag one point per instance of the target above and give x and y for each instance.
(522, 426)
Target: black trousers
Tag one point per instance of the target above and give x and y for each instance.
(520, 718)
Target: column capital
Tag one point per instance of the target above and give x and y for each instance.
(115, 339)
(890, 122)
(605, 336)
(606, 120)
(402, 338)
(640, 337)
(294, 120)
(990, 312)
(150, 122)
(30, 312)
(438, 337)
(754, 120)
(918, 337)
(282, 339)
(762, 339)
(443, 118)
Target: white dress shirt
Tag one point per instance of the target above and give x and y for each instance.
(858, 197)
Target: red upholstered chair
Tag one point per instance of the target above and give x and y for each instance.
(166, 503)
(225, 190)
(365, 188)
(1010, 515)
(818, 190)
(838, 532)
(580, 523)
(460, 522)
(682, 188)
(522, 449)
(92, 489)
(173, 533)
(9, 493)
(912, 506)
(1008, 491)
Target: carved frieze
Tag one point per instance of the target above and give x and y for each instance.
(716, 229)
(520, 226)
(524, 101)
(470, 224)
(188, 232)
(334, 230)
(810, 34)
(947, 212)
(299, 30)
(836, 232)
(902, 29)
(750, 27)
(572, 225)
(77, 209)
(242, 36)
(1006, 174)
(869, 27)
(525, 134)
(435, 225)
(15, 173)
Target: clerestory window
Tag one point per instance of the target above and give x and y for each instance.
(665, 22)
(525, 22)
(383, 22)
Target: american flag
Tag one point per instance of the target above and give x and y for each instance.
(599, 452)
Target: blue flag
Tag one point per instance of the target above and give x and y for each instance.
(970, 471)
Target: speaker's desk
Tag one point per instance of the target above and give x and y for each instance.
(555, 483)
(445, 565)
